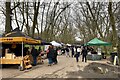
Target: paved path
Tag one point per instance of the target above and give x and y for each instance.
(59, 70)
(67, 67)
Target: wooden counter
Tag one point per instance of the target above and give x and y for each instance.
(10, 61)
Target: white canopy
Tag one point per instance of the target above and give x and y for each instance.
(62, 43)
(68, 44)
(54, 43)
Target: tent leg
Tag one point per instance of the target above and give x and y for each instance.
(22, 50)
(21, 65)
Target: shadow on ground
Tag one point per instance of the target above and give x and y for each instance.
(9, 66)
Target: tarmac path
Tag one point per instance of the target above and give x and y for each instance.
(67, 67)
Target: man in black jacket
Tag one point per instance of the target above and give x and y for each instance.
(50, 55)
(84, 54)
(55, 55)
(34, 54)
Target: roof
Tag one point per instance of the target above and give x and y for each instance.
(16, 33)
(97, 42)
(16, 36)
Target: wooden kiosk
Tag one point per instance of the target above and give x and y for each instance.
(11, 58)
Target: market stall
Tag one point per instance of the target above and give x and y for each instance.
(96, 42)
(13, 51)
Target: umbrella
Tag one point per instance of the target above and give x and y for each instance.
(97, 42)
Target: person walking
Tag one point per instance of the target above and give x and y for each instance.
(50, 55)
(84, 54)
(34, 54)
(63, 51)
(77, 54)
(72, 49)
(67, 52)
(75, 51)
(55, 56)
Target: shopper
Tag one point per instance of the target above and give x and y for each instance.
(34, 54)
(72, 49)
(77, 55)
(55, 55)
(84, 54)
(50, 55)
(67, 52)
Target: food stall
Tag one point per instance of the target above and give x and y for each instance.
(13, 49)
(96, 55)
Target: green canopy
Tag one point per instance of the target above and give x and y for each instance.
(97, 42)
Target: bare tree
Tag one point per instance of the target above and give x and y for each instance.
(9, 14)
(36, 11)
(112, 23)
(8, 26)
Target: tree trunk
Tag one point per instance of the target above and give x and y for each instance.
(36, 11)
(112, 22)
(16, 17)
(119, 48)
(8, 25)
(94, 20)
(42, 19)
(27, 24)
(118, 36)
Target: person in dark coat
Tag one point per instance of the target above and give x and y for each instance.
(39, 50)
(84, 54)
(63, 50)
(55, 56)
(67, 52)
(25, 51)
(72, 51)
(50, 55)
(34, 54)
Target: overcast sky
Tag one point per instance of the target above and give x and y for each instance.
(2, 17)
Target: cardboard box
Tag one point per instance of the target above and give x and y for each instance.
(9, 56)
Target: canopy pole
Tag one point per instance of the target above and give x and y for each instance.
(22, 50)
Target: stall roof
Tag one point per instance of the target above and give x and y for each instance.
(15, 33)
(97, 42)
(43, 42)
(16, 36)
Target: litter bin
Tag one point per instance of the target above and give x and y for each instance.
(113, 54)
